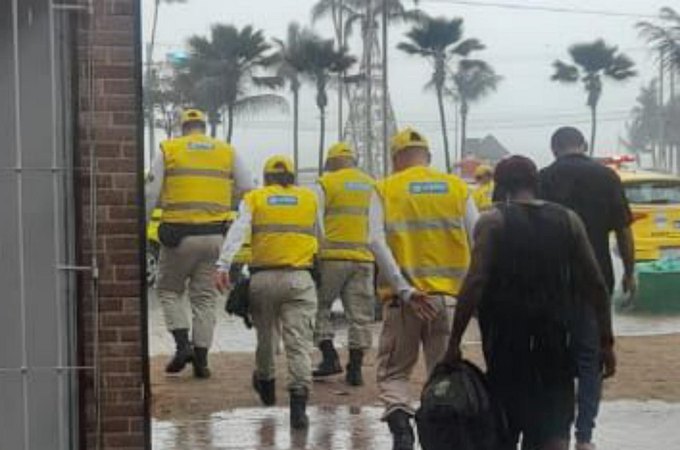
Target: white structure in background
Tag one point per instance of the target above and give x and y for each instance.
(366, 96)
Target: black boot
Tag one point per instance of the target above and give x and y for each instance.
(298, 408)
(201, 369)
(402, 432)
(330, 363)
(354, 376)
(266, 390)
(184, 354)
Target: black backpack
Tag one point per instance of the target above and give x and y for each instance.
(457, 412)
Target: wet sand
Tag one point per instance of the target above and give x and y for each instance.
(649, 369)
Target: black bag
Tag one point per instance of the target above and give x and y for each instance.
(238, 303)
(457, 411)
(172, 234)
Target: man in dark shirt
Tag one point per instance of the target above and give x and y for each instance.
(595, 193)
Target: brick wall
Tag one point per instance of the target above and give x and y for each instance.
(113, 127)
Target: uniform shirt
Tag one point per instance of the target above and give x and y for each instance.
(243, 180)
(595, 193)
(387, 264)
(239, 231)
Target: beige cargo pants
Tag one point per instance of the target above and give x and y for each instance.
(402, 335)
(353, 282)
(283, 303)
(193, 261)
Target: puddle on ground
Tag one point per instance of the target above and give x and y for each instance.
(623, 425)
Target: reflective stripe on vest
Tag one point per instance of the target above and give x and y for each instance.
(210, 173)
(346, 211)
(191, 206)
(417, 225)
(276, 228)
(442, 272)
(335, 245)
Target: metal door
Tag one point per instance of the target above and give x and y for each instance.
(37, 295)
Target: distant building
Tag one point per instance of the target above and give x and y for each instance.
(488, 150)
(480, 151)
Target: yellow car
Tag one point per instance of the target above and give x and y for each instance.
(655, 202)
(153, 247)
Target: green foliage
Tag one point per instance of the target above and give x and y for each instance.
(225, 68)
(664, 37)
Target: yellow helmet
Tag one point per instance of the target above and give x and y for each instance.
(279, 164)
(192, 115)
(482, 170)
(407, 138)
(340, 150)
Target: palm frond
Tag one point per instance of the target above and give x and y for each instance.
(467, 46)
(565, 73)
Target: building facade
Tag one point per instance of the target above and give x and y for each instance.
(73, 353)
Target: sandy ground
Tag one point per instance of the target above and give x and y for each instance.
(649, 369)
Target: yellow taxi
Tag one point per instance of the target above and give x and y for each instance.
(655, 202)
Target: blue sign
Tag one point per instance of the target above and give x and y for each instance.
(200, 146)
(357, 186)
(429, 187)
(282, 200)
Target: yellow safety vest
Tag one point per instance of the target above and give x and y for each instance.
(424, 223)
(348, 196)
(283, 226)
(198, 181)
(483, 196)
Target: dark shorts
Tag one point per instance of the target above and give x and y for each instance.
(533, 380)
(537, 414)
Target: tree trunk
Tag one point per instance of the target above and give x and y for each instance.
(442, 119)
(213, 128)
(463, 129)
(593, 129)
(230, 123)
(296, 129)
(322, 137)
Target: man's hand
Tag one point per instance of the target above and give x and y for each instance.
(221, 280)
(453, 355)
(422, 306)
(608, 362)
(629, 284)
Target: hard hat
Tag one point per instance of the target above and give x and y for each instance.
(279, 164)
(482, 170)
(407, 138)
(192, 115)
(340, 150)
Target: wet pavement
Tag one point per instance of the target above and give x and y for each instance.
(232, 336)
(623, 426)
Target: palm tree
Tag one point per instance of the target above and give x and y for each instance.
(323, 60)
(665, 39)
(292, 63)
(474, 80)
(643, 128)
(439, 40)
(591, 63)
(225, 68)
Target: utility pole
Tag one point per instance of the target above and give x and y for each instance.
(150, 101)
(662, 104)
(341, 76)
(385, 88)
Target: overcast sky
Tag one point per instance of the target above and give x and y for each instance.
(521, 45)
